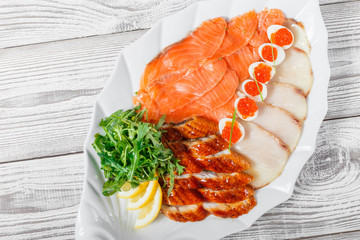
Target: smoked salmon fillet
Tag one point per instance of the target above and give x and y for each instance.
(174, 93)
(241, 60)
(222, 111)
(239, 31)
(215, 98)
(187, 54)
(266, 18)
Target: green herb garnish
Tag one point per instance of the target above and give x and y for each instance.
(132, 151)
(273, 56)
(232, 128)
(257, 85)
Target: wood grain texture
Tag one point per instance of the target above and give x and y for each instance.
(48, 90)
(36, 21)
(47, 93)
(41, 197)
(338, 236)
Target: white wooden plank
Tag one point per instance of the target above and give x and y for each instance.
(47, 93)
(339, 236)
(39, 198)
(37, 21)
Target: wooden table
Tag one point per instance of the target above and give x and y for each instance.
(55, 57)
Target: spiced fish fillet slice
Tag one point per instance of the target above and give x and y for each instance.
(189, 53)
(187, 213)
(188, 151)
(266, 18)
(194, 213)
(239, 31)
(223, 111)
(187, 196)
(224, 162)
(216, 97)
(230, 210)
(295, 102)
(211, 180)
(206, 146)
(295, 70)
(280, 123)
(300, 38)
(241, 60)
(172, 93)
(221, 162)
(193, 128)
(266, 153)
(196, 127)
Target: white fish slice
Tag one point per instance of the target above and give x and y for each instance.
(300, 38)
(280, 123)
(287, 97)
(295, 70)
(267, 154)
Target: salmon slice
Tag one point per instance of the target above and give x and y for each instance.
(266, 18)
(185, 196)
(211, 180)
(189, 53)
(241, 60)
(223, 111)
(240, 30)
(218, 96)
(173, 93)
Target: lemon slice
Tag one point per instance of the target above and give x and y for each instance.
(148, 213)
(144, 197)
(128, 192)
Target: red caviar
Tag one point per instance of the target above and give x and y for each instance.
(262, 72)
(251, 88)
(246, 107)
(267, 53)
(236, 134)
(282, 37)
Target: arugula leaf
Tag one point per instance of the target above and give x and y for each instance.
(131, 151)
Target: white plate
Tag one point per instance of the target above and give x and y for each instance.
(103, 217)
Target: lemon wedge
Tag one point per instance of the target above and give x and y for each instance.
(148, 213)
(144, 197)
(128, 192)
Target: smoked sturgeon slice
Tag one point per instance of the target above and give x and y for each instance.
(295, 70)
(266, 153)
(300, 38)
(280, 123)
(295, 99)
